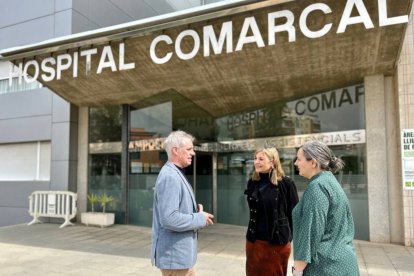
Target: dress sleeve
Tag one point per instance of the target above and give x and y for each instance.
(309, 230)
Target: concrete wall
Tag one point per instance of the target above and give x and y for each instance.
(25, 116)
(93, 14)
(35, 115)
(64, 145)
(25, 21)
(38, 115)
(14, 202)
(406, 120)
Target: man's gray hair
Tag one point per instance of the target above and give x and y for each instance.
(323, 155)
(176, 139)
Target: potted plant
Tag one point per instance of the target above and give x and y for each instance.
(103, 200)
(102, 219)
(92, 198)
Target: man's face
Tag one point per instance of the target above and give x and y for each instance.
(185, 154)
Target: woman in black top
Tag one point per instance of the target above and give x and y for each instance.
(271, 197)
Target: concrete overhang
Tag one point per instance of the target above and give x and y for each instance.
(236, 80)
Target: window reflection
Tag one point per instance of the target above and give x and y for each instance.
(105, 131)
(150, 122)
(335, 117)
(323, 112)
(105, 177)
(105, 124)
(148, 126)
(144, 169)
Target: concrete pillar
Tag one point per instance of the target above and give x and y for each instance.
(377, 165)
(83, 138)
(406, 112)
(394, 161)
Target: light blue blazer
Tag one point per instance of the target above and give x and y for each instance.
(175, 221)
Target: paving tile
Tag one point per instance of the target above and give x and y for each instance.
(377, 259)
(379, 270)
(124, 250)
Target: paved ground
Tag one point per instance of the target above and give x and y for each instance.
(44, 249)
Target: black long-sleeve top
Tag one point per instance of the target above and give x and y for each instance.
(271, 209)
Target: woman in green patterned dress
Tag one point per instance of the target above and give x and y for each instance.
(323, 228)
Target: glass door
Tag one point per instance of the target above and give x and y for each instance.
(200, 175)
(147, 127)
(233, 171)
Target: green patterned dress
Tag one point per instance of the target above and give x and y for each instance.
(323, 229)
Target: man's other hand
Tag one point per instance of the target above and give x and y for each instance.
(209, 217)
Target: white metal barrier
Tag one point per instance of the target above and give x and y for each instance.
(53, 204)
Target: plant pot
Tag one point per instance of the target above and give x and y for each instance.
(98, 219)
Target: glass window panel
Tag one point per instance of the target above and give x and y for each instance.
(25, 161)
(105, 124)
(235, 170)
(105, 177)
(326, 111)
(203, 185)
(323, 112)
(17, 86)
(235, 137)
(19, 161)
(105, 132)
(144, 169)
(150, 122)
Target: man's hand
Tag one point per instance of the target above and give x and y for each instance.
(209, 217)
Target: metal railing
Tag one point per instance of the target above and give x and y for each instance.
(53, 204)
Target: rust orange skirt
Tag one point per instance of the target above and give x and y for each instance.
(264, 259)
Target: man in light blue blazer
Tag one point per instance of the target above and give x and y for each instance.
(175, 215)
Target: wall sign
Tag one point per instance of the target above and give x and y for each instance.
(208, 37)
(355, 12)
(407, 146)
(291, 141)
(52, 67)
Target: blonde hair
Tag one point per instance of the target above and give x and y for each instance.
(276, 172)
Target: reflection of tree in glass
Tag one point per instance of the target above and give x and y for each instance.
(105, 124)
(105, 164)
(105, 175)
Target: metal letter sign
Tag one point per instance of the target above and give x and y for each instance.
(355, 12)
